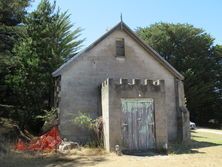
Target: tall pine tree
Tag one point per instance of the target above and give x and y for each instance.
(49, 41)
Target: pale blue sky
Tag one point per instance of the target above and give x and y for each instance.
(95, 16)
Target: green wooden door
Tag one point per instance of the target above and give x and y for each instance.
(138, 124)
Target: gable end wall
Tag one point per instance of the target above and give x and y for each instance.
(81, 81)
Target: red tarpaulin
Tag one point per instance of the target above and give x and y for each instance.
(48, 141)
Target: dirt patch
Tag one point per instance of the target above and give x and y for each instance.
(84, 157)
(205, 157)
(204, 150)
(210, 156)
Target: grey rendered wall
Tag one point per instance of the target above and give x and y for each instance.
(184, 114)
(80, 82)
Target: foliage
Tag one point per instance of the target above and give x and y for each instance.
(48, 41)
(12, 14)
(69, 44)
(95, 126)
(191, 51)
(13, 11)
(50, 119)
(84, 120)
(217, 52)
(49, 115)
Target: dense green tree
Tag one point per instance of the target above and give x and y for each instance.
(217, 53)
(191, 51)
(11, 15)
(48, 42)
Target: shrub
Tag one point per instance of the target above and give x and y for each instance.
(95, 126)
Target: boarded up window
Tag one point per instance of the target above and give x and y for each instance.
(120, 48)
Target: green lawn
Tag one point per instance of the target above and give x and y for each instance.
(206, 137)
(198, 140)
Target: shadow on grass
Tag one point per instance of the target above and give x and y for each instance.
(26, 160)
(193, 131)
(198, 141)
(190, 148)
(201, 137)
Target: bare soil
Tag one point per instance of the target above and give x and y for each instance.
(205, 150)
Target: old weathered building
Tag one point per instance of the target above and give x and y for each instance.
(138, 93)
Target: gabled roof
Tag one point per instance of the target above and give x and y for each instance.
(127, 30)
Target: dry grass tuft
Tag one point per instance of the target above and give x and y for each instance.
(204, 150)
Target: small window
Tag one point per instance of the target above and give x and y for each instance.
(120, 48)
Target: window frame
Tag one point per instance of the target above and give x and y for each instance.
(120, 47)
